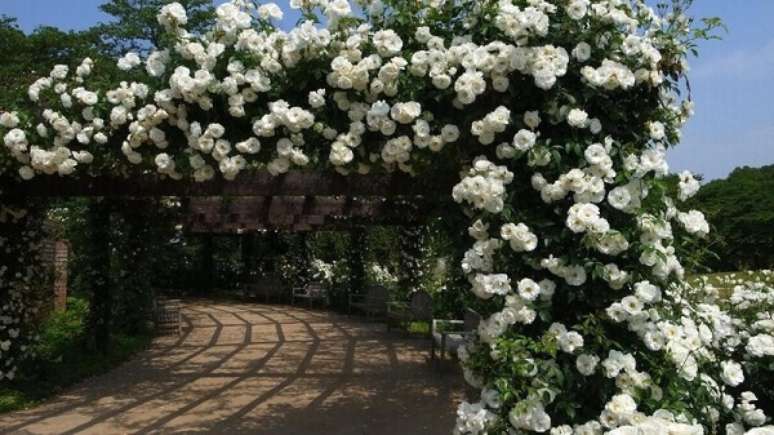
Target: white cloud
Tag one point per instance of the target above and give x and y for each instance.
(742, 64)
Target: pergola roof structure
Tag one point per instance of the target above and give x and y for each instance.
(294, 202)
(298, 213)
(293, 183)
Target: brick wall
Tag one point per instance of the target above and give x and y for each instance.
(61, 255)
(55, 255)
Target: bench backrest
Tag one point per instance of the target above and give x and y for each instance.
(421, 304)
(377, 295)
(268, 284)
(471, 320)
(314, 289)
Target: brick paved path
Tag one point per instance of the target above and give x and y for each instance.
(260, 369)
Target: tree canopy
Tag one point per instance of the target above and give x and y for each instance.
(134, 26)
(741, 208)
(26, 57)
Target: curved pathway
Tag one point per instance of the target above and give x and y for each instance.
(260, 369)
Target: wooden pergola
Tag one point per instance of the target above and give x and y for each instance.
(297, 201)
(293, 183)
(215, 215)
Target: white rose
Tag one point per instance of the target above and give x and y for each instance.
(270, 11)
(9, 119)
(731, 373)
(577, 118)
(532, 119)
(406, 113)
(26, 173)
(524, 140)
(338, 8)
(577, 9)
(129, 61)
(172, 15)
(582, 52)
(317, 98)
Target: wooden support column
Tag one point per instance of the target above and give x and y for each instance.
(248, 256)
(137, 294)
(357, 244)
(410, 273)
(100, 313)
(206, 265)
(305, 259)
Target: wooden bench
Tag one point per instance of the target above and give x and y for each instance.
(418, 309)
(268, 288)
(449, 335)
(373, 303)
(314, 291)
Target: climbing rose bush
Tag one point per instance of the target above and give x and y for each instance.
(556, 115)
(23, 273)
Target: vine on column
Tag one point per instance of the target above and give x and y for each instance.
(24, 276)
(99, 254)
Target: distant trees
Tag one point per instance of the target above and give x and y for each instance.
(741, 210)
(27, 57)
(134, 26)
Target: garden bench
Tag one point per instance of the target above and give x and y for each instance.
(372, 303)
(449, 335)
(418, 309)
(269, 288)
(313, 291)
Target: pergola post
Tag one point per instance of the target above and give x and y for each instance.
(305, 259)
(24, 279)
(100, 314)
(357, 243)
(135, 276)
(410, 240)
(206, 263)
(247, 245)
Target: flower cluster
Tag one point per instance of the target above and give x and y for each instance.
(484, 186)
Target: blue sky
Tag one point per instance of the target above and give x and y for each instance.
(731, 80)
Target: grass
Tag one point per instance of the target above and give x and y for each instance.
(419, 328)
(62, 358)
(727, 280)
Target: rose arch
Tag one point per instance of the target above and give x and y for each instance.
(550, 119)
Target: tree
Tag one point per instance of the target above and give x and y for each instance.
(27, 57)
(741, 208)
(135, 27)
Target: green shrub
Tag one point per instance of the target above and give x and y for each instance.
(61, 329)
(61, 357)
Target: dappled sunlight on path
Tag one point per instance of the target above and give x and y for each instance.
(260, 369)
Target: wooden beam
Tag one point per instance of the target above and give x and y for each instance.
(294, 183)
(304, 226)
(283, 212)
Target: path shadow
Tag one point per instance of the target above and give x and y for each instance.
(261, 369)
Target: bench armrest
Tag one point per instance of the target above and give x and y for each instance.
(356, 298)
(396, 306)
(444, 326)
